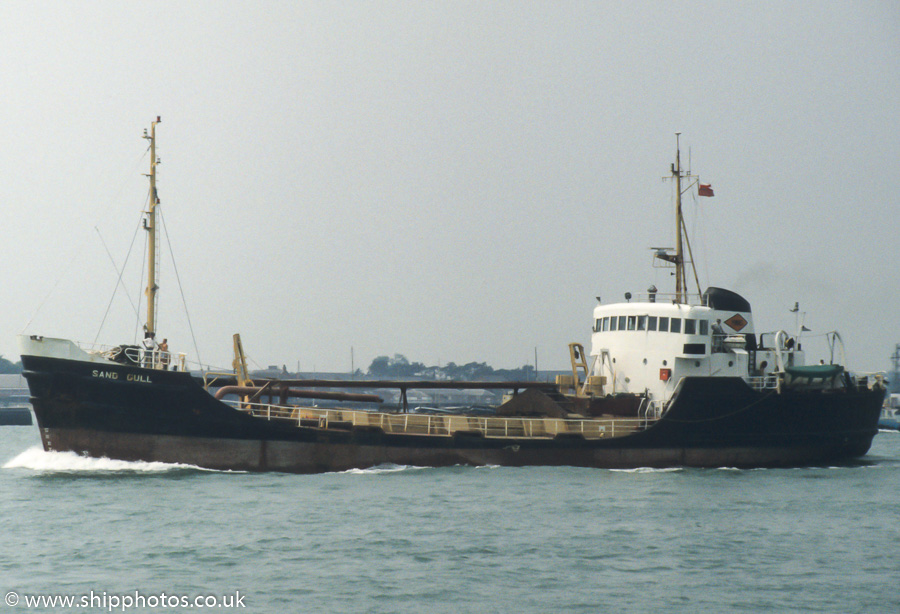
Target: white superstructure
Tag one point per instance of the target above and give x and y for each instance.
(647, 346)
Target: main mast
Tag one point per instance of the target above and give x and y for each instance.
(681, 238)
(680, 290)
(150, 227)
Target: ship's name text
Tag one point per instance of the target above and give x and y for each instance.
(129, 377)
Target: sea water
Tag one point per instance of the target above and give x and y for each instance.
(152, 537)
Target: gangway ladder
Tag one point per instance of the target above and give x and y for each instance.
(579, 361)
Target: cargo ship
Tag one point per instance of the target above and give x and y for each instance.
(680, 379)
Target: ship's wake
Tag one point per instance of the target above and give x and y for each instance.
(37, 459)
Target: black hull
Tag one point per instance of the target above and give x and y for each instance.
(151, 415)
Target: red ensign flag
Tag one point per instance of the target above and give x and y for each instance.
(705, 190)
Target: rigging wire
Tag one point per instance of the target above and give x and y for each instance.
(78, 249)
(180, 288)
(119, 279)
(47, 297)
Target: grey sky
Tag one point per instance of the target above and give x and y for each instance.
(452, 180)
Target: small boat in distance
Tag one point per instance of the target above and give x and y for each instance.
(670, 380)
(15, 415)
(890, 412)
(14, 409)
(890, 418)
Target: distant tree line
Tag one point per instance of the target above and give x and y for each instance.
(399, 367)
(7, 367)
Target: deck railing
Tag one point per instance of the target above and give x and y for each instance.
(651, 410)
(763, 382)
(448, 425)
(150, 359)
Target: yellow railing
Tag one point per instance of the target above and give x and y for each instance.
(450, 425)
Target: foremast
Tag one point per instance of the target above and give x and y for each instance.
(152, 237)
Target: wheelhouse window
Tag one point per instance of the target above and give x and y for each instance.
(675, 325)
(642, 322)
(612, 323)
(606, 323)
(704, 327)
(690, 326)
(632, 322)
(664, 325)
(651, 323)
(621, 322)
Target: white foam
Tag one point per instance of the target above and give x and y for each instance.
(385, 468)
(649, 470)
(392, 468)
(37, 459)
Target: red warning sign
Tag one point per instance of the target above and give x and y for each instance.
(736, 322)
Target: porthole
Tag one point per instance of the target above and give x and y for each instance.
(696, 363)
(665, 363)
(730, 363)
(645, 361)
